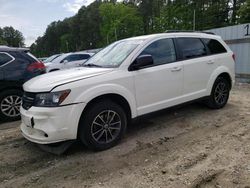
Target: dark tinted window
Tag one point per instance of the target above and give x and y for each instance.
(162, 51)
(72, 58)
(214, 46)
(4, 58)
(77, 57)
(84, 56)
(191, 47)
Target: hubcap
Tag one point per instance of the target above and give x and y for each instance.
(10, 106)
(106, 127)
(221, 93)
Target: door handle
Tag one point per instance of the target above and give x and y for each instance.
(176, 69)
(210, 62)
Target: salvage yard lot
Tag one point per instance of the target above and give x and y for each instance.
(187, 146)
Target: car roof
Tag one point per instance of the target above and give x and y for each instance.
(7, 48)
(83, 53)
(175, 34)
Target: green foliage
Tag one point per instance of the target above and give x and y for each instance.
(244, 12)
(11, 37)
(105, 21)
(119, 21)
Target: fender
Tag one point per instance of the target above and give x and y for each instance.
(215, 74)
(97, 91)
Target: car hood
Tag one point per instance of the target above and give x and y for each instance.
(47, 82)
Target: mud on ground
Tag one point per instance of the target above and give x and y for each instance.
(189, 146)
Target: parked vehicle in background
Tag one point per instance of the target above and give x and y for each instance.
(51, 58)
(68, 60)
(42, 59)
(17, 65)
(127, 79)
(93, 50)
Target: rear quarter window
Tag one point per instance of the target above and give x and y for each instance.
(5, 58)
(214, 46)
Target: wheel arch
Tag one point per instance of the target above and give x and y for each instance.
(220, 72)
(114, 97)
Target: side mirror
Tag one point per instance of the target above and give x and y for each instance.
(64, 61)
(142, 61)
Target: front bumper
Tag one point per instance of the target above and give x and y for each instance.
(50, 125)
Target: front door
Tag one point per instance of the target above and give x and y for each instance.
(160, 85)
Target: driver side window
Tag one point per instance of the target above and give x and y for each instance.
(162, 51)
(71, 58)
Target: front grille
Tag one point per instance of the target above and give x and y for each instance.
(28, 100)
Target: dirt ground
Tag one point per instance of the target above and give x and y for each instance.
(188, 146)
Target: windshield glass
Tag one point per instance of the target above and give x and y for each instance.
(51, 58)
(114, 54)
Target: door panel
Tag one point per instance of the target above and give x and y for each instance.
(159, 86)
(198, 66)
(197, 73)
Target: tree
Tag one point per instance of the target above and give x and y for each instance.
(244, 12)
(11, 37)
(119, 21)
(105, 21)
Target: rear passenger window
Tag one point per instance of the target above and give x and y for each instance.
(191, 47)
(162, 51)
(72, 58)
(84, 56)
(214, 46)
(4, 58)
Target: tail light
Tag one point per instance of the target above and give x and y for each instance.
(233, 56)
(36, 66)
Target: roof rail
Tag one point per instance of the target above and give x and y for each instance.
(189, 31)
(3, 46)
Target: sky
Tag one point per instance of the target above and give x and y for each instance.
(32, 17)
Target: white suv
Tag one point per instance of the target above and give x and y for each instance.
(125, 80)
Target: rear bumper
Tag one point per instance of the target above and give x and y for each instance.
(51, 125)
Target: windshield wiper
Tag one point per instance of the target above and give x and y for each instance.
(91, 65)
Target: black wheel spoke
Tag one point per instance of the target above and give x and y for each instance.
(100, 135)
(221, 93)
(106, 127)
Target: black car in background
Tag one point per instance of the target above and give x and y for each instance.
(17, 65)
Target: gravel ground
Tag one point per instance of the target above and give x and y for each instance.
(187, 146)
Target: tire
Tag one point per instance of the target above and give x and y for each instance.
(10, 102)
(220, 94)
(99, 122)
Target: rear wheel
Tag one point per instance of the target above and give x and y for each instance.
(102, 125)
(10, 102)
(220, 93)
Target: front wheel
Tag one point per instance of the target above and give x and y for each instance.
(220, 94)
(102, 125)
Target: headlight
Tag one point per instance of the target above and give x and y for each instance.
(52, 99)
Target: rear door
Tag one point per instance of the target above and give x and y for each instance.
(198, 66)
(4, 58)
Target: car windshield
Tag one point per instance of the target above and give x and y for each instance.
(113, 55)
(51, 58)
